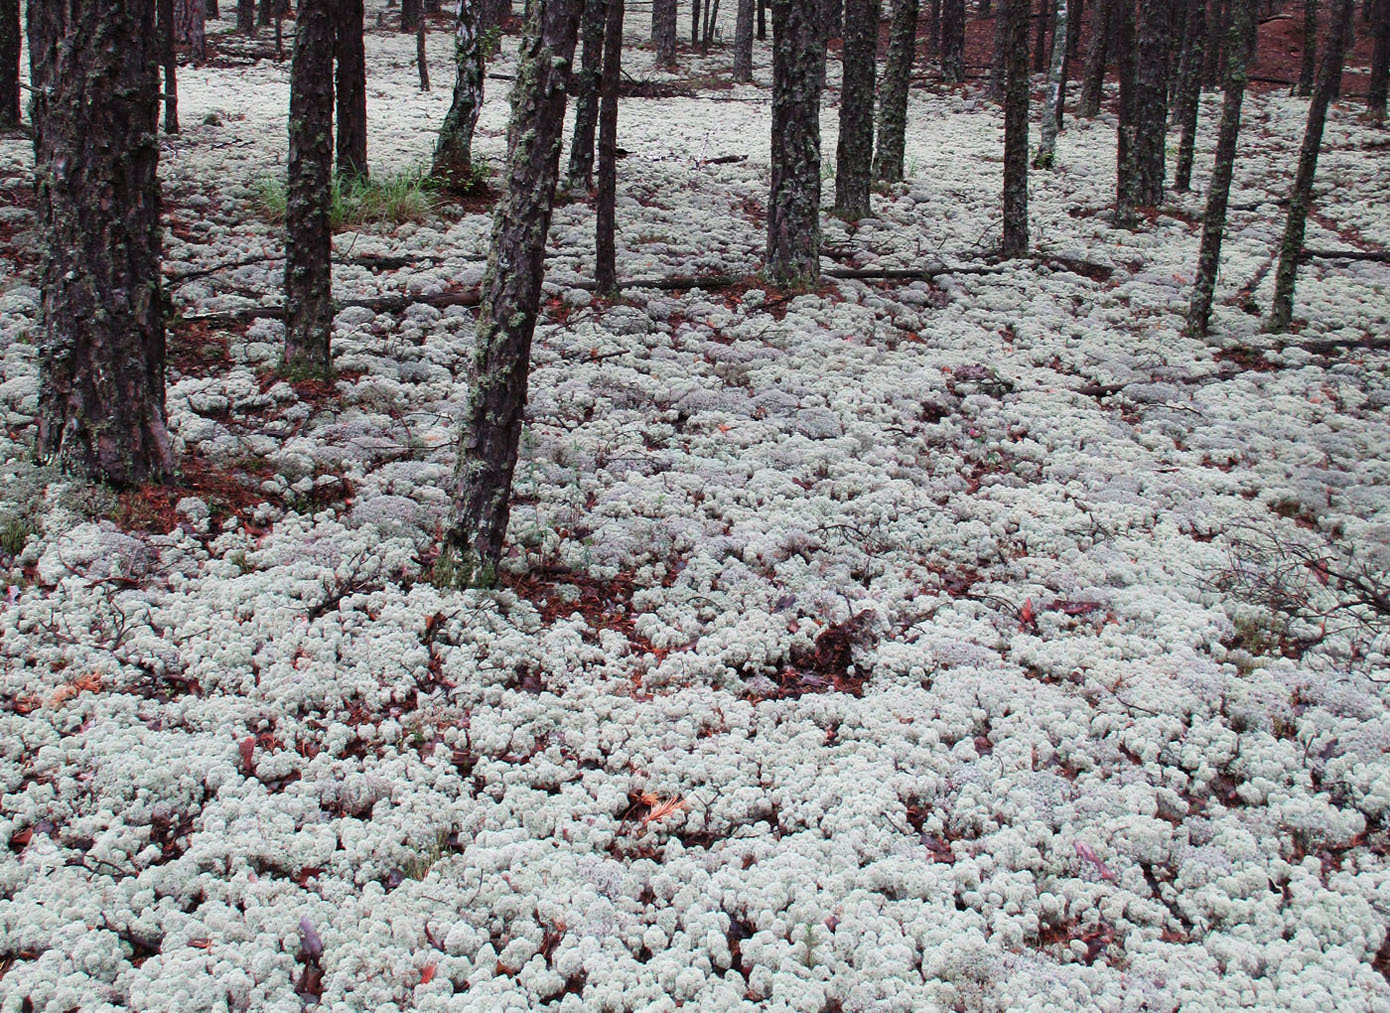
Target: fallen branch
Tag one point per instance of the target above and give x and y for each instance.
(379, 304)
(1377, 256)
(366, 260)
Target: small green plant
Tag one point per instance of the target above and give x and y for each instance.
(418, 866)
(15, 530)
(409, 196)
(491, 42)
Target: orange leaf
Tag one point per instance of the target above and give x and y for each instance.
(427, 974)
(661, 809)
(1026, 615)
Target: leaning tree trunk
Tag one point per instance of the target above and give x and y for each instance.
(1190, 92)
(1308, 62)
(664, 25)
(953, 41)
(892, 93)
(854, 157)
(511, 292)
(1149, 110)
(453, 152)
(190, 29)
(743, 42)
(9, 63)
(164, 28)
(94, 69)
(1214, 221)
(1380, 64)
(605, 229)
(351, 86)
(793, 210)
(1047, 149)
(1093, 77)
(580, 175)
(1329, 72)
(1015, 242)
(308, 232)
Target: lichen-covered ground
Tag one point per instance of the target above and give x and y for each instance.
(911, 646)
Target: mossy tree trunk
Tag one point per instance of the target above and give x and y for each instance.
(1380, 63)
(1015, 242)
(580, 175)
(453, 152)
(793, 212)
(953, 41)
(1242, 28)
(511, 291)
(743, 42)
(606, 270)
(9, 63)
(854, 156)
(1291, 248)
(1047, 147)
(308, 233)
(1308, 62)
(1097, 46)
(164, 29)
(351, 87)
(94, 68)
(664, 25)
(892, 93)
(1190, 91)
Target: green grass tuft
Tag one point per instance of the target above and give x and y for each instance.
(384, 200)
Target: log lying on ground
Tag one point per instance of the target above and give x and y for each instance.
(1375, 256)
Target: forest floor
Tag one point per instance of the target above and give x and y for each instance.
(978, 642)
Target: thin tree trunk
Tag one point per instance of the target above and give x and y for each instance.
(1126, 154)
(164, 28)
(421, 59)
(580, 174)
(934, 28)
(1380, 64)
(892, 93)
(953, 41)
(664, 24)
(1308, 61)
(1047, 149)
(1093, 79)
(246, 17)
(212, 11)
(511, 292)
(279, 33)
(999, 57)
(793, 211)
(308, 235)
(1281, 313)
(9, 63)
(190, 29)
(1223, 168)
(1150, 107)
(1015, 241)
(606, 270)
(1190, 92)
(1039, 46)
(453, 152)
(94, 69)
(711, 20)
(762, 20)
(743, 42)
(1218, 29)
(854, 156)
(351, 88)
(695, 21)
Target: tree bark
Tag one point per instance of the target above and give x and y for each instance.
(605, 228)
(1214, 220)
(1040, 46)
(246, 17)
(793, 209)
(164, 29)
(1190, 92)
(511, 291)
(580, 175)
(1330, 70)
(308, 235)
(999, 57)
(664, 25)
(854, 155)
(351, 88)
(934, 28)
(1380, 64)
(1308, 62)
(892, 93)
(9, 63)
(743, 42)
(453, 152)
(953, 41)
(1047, 149)
(94, 70)
(1015, 241)
(762, 20)
(1149, 110)
(421, 58)
(190, 27)
(1093, 79)
(1126, 154)
(411, 12)
(695, 7)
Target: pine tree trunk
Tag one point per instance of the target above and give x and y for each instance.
(933, 28)
(212, 11)
(892, 93)
(953, 41)
(695, 7)
(580, 174)
(711, 19)
(743, 42)
(1015, 242)
(762, 20)
(308, 235)
(605, 230)
(1329, 71)
(1150, 107)
(1223, 168)
(1190, 92)
(1380, 64)
(1126, 154)
(1308, 63)
(1093, 79)
(9, 63)
(664, 25)
(421, 58)
(453, 152)
(1218, 28)
(511, 292)
(999, 58)
(411, 12)
(164, 29)
(1040, 46)
(94, 69)
(1047, 149)
(854, 156)
(793, 211)
(246, 17)
(189, 27)
(351, 86)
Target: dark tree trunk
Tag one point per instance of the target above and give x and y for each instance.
(1190, 92)
(605, 228)
(580, 175)
(279, 32)
(1380, 63)
(453, 152)
(190, 28)
(1218, 28)
(1126, 154)
(695, 6)
(212, 11)
(762, 20)
(933, 27)
(711, 19)
(421, 59)
(1015, 242)
(743, 42)
(1281, 312)
(94, 68)
(1308, 63)
(492, 14)
(9, 63)
(664, 24)
(164, 28)
(511, 292)
(1047, 149)
(854, 157)
(793, 208)
(892, 93)
(246, 17)
(833, 13)
(953, 41)
(999, 58)
(1076, 11)
(1150, 106)
(1223, 168)
(267, 11)
(1093, 79)
(308, 235)
(431, 6)
(1040, 46)
(351, 85)
(411, 12)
